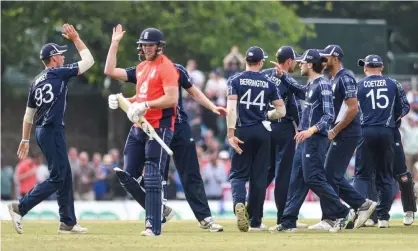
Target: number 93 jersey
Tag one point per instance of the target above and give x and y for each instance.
(378, 101)
(254, 92)
(48, 94)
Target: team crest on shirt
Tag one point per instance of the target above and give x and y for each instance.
(310, 93)
(143, 90)
(152, 73)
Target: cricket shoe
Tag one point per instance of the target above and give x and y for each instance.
(383, 223)
(209, 223)
(168, 213)
(301, 225)
(242, 220)
(16, 217)
(408, 218)
(261, 228)
(281, 228)
(325, 225)
(76, 229)
(342, 223)
(369, 223)
(148, 233)
(364, 212)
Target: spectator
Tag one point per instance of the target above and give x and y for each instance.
(26, 175)
(42, 172)
(7, 182)
(225, 160)
(197, 77)
(214, 175)
(233, 62)
(84, 179)
(409, 131)
(102, 169)
(217, 88)
(73, 159)
(210, 144)
(115, 154)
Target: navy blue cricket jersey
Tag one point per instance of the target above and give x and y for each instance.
(185, 82)
(380, 101)
(344, 86)
(254, 92)
(318, 106)
(293, 107)
(48, 94)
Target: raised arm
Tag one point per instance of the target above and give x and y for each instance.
(110, 67)
(87, 60)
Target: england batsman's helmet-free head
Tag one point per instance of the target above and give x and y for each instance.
(151, 36)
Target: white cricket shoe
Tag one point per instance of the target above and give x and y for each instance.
(148, 233)
(262, 227)
(301, 225)
(408, 218)
(280, 228)
(76, 229)
(369, 223)
(241, 214)
(338, 225)
(383, 224)
(209, 223)
(168, 213)
(364, 212)
(16, 217)
(325, 225)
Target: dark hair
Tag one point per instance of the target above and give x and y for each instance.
(318, 67)
(252, 63)
(281, 60)
(46, 60)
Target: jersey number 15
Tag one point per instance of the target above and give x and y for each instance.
(380, 96)
(258, 101)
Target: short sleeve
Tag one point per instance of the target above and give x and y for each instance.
(31, 102)
(169, 74)
(275, 94)
(231, 87)
(131, 73)
(185, 81)
(350, 87)
(67, 71)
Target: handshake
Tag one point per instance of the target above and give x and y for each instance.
(135, 110)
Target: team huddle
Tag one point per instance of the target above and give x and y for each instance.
(300, 136)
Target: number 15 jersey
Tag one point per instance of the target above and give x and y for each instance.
(254, 92)
(48, 94)
(379, 101)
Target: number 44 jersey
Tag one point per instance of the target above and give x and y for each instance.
(48, 94)
(381, 100)
(254, 92)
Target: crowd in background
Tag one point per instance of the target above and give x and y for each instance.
(94, 179)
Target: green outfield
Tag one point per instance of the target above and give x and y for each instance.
(186, 235)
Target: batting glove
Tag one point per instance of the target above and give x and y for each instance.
(113, 102)
(136, 110)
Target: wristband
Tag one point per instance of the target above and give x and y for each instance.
(24, 141)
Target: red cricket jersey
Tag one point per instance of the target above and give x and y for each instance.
(151, 78)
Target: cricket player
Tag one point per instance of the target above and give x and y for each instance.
(284, 130)
(182, 144)
(46, 103)
(312, 140)
(156, 99)
(249, 94)
(382, 103)
(344, 136)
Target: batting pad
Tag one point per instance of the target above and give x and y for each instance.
(153, 202)
(408, 197)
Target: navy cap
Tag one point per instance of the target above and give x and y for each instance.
(52, 49)
(286, 52)
(310, 56)
(372, 61)
(255, 54)
(332, 50)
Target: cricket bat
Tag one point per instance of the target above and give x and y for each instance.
(124, 105)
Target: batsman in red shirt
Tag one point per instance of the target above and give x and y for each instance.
(156, 99)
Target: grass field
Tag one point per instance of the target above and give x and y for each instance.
(186, 235)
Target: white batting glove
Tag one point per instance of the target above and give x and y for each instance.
(136, 110)
(113, 102)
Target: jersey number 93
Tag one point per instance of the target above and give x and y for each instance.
(44, 94)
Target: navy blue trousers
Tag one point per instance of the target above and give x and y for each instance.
(374, 162)
(308, 173)
(338, 157)
(283, 147)
(51, 141)
(251, 165)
